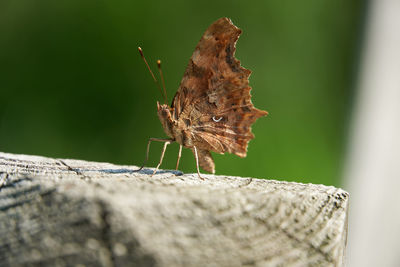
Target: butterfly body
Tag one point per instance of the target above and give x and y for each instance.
(178, 129)
(212, 109)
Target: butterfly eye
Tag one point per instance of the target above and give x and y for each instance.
(216, 120)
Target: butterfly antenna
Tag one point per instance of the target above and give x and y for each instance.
(162, 80)
(148, 67)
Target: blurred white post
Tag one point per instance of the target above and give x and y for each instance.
(372, 175)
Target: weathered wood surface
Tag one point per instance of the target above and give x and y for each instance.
(66, 212)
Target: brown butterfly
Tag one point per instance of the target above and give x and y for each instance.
(212, 109)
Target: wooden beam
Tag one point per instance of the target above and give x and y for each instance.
(57, 212)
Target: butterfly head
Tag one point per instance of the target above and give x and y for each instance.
(164, 114)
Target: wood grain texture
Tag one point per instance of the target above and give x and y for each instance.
(66, 212)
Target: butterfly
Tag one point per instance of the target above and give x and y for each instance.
(212, 109)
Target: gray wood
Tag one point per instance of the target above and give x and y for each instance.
(63, 212)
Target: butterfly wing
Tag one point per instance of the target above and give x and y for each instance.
(205, 160)
(213, 100)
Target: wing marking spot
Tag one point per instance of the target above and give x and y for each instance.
(217, 120)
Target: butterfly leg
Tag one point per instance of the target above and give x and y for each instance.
(162, 155)
(148, 148)
(197, 161)
(179, 156)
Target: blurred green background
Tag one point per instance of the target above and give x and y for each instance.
(73, 85)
